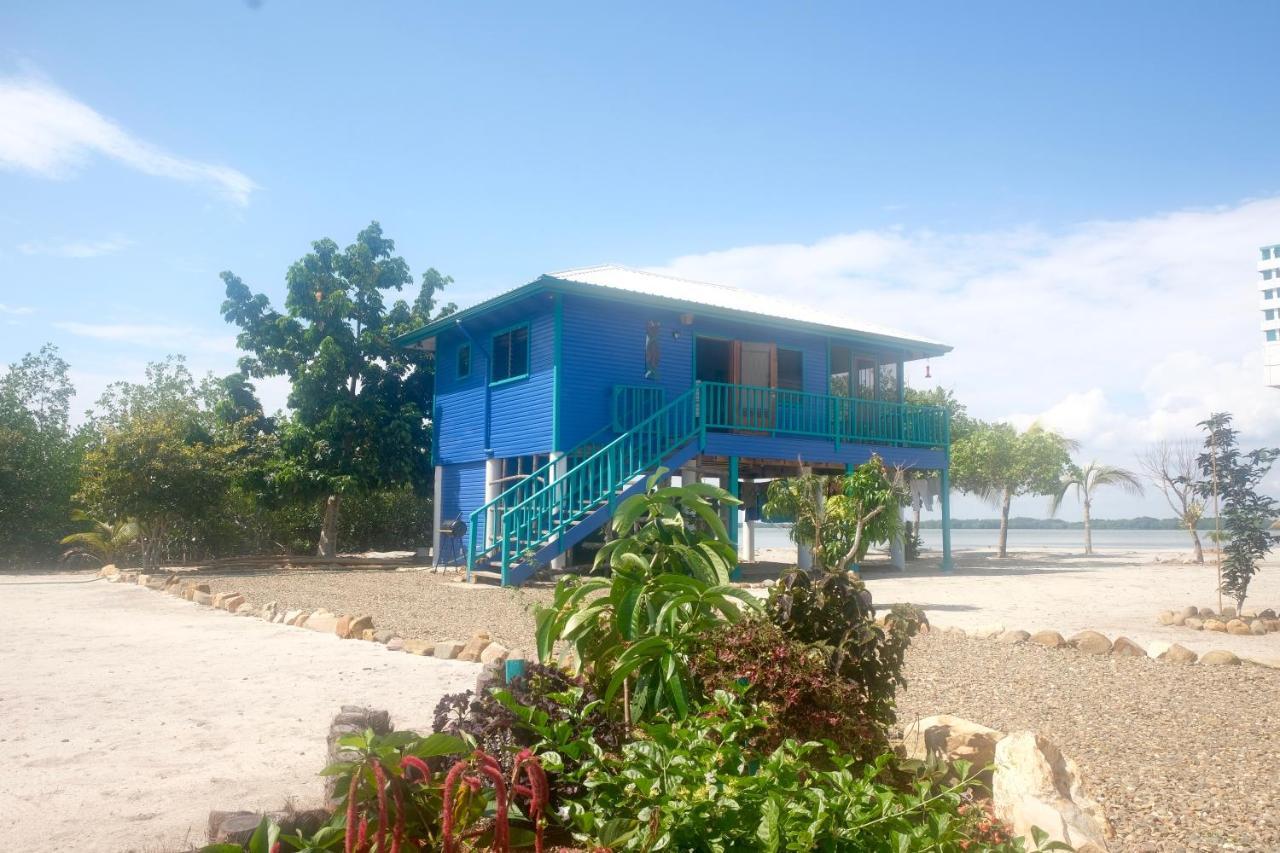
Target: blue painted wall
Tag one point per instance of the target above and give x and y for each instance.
(462, 490)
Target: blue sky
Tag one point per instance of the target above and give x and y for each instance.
(978, 172)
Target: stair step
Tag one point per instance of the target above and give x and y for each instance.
(478, 576)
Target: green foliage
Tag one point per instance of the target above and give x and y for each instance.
(39, 457)
(792, 683)
(998, 463)
(839, 518)
(360, 421)
(961, 423)
(1087, 480)
(834, 613)
(698, 785)
(1234, 477)
(631, 633)
(106, 542)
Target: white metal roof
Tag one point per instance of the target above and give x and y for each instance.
(721, 296)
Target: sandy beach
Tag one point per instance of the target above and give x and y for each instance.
(129, 714)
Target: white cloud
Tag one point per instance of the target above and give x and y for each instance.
(152, 336)
(48, 132)
(19, 310)
(1115, 332)
(77, 249)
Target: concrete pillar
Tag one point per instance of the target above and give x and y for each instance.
(748, 541)
(946, 517)
(437, 507)
(492, 488)
(732, 489)
(804, 554)
(558, 470)
(688, 474)
(897, 547)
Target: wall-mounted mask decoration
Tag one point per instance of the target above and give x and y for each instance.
(652, 349)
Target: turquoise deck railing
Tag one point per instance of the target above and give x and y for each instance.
(493, 510)
(776, 411)
(634, 403)
(590, 484)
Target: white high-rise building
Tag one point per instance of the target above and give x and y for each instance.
(1269, 291)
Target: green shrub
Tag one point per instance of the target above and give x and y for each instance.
(833, 611)
(806, 700)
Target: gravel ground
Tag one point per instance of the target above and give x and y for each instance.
(419, 604)
(1182, 758)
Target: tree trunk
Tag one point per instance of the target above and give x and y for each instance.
(1197, 552)
(1005, 500)
(328, 546)
(1088, 532)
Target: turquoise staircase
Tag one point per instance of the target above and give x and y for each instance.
(544, 515)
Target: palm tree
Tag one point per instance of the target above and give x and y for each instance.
(106, 542)
(1086, 481)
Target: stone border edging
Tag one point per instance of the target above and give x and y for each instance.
(480, 648)
(1250, 623)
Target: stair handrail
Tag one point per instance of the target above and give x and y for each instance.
(507, 495)
(615, 474)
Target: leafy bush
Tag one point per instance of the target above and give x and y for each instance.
(806, 700)
(834, 612)
(698, 785)
(633, 631)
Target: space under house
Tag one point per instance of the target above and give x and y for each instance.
(556, 400)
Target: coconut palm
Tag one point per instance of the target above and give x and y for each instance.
(106, 542)
(1086, 481)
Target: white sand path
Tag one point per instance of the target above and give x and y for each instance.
(127, 714)
(1117, 593)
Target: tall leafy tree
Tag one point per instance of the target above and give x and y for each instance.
(1087, 480)
(38, 456)
(998, 463)
(1232, 478)
(359, 403)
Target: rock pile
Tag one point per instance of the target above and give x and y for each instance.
(1246, 623)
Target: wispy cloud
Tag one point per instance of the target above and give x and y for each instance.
(1115, 332)
(19, 310)
(48, 132)
(76, 249)
(158, 336)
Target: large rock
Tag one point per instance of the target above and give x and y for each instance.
(1195, 623)
(1257, 627)
(494, 653)
(1123, 647)
(1272, 625)
(1207, 613)
(448, 649)
(1034, 784)
(383, 636)
(1215, 625)
(1190, 611)
(952, 739)
(419, 647)
(395, 644)
(1177, 654)
(1049, 639)
(987, 632)
(202, 598)
(322, 621)
(474, 647)
(1013, 638)
(1219, 657)
(232, 603)
(108, 571)
(1166, 617)
(1268, 613)
(1156, 648)
(1091, 643)
(1238, 627)
(1180, 618)
(1228, 610)
(358, 625)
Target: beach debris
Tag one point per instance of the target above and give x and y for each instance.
(1034, 784)
(1091, 642)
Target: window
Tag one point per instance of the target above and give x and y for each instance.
(1268, 294)
(791, 369)
(1266, 275)
(1271, 334)
(1269, 314)
(839, 383)
(510, 354)
(464, 361)
(1266, 253)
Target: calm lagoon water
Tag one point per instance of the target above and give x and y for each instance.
(1066, 540)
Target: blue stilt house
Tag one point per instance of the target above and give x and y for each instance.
(556, 399)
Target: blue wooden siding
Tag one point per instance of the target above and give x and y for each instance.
(604, 345)
(520, 410)
(462, 490)
(816, 450)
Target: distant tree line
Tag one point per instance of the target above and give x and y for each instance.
(1020, 522)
